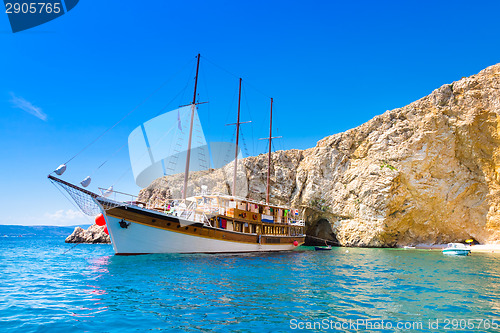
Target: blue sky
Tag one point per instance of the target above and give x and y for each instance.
(329, 65)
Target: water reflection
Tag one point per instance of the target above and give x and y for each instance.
(194, 292)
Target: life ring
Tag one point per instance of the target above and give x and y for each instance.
(254, 216)
(244, 215)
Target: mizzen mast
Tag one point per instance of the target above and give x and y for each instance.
(237, 141)
(193, 108)
(269, 155)
(268, 187)
(238, 123)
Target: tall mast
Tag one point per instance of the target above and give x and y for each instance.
(269, 155)
(237, 140)
(193, 107)
(270, 138)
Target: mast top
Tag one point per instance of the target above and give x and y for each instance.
(196, 78)
(188, 155)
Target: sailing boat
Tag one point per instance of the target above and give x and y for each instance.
(203, 223)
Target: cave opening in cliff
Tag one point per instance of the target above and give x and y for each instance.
(320, 233)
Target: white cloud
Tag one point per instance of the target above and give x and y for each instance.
(66, 217)
(21, 103)
(60, 217)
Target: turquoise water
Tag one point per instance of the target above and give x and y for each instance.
(89, 289)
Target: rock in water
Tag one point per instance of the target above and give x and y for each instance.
(428, 172)
(94, 234)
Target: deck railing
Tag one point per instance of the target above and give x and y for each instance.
(194, 209)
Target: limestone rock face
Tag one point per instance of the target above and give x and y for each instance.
(94, 234)
(428, 172)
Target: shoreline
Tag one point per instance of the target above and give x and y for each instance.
(485, 248)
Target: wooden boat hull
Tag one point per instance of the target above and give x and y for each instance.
(140, 231)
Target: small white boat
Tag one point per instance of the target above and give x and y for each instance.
(457, 249)
(323, 248)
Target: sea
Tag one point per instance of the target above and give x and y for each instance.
(49, 286)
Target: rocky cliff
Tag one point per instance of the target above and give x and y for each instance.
(424, 173)
(94, 234)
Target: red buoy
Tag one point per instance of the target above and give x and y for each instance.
(100, 220)
(295, 243)
(106, 230)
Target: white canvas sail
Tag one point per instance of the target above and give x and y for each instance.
(223, 153)
(159, 146)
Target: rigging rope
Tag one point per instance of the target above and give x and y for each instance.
(206, 89)
(282, 141)
(129, 113)
(227, 159)
(71, 201)
(182, 91)
(244, 142)
(146, 152)
(251, 121)
(236, 76)
(229, 112)
(188, 81)
(71, 248)
(126, 143)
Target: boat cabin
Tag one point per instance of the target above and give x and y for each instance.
(238, 214)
